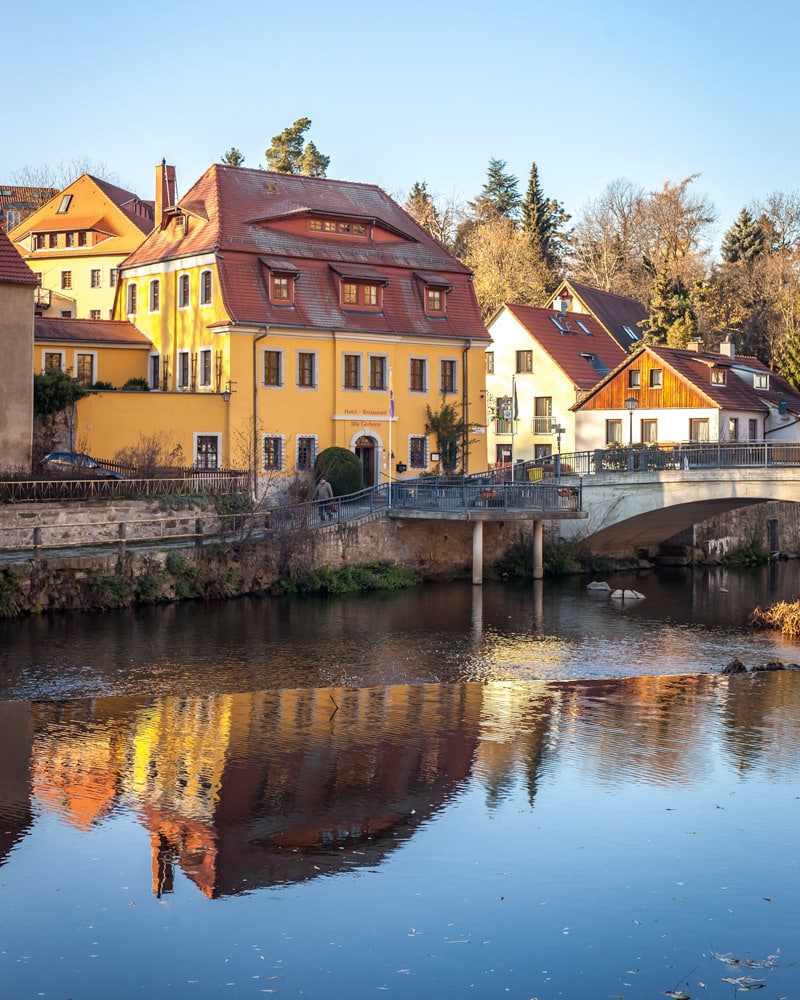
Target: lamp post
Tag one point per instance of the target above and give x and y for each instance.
(631, 403)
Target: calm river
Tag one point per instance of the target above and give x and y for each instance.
(509, 790)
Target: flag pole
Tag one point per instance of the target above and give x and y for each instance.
(513, 420)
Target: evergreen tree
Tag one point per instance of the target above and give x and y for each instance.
(233, 157)
(744, 240)
(543, 220)
(500, 190)
(672, 319)
(289, 153)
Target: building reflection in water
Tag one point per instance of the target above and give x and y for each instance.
(251, 790)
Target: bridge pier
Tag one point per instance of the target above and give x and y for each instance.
(538, 535)
(477, 552)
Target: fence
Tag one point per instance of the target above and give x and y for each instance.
(192, 481)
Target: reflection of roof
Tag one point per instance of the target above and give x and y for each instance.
(89, 331)
(577, 343)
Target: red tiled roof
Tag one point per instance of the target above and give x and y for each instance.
(254, 214)
(13, 269)
(89, 331)
(615, 312)
(579, 345)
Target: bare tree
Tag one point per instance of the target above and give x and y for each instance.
(61, 174)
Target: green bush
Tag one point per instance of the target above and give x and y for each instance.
(341, 468)
(111, 592)
(9, 595)
(136, 385)
(349, 579)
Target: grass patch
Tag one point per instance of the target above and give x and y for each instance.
(111, 592)
(349, 579)
(9, 595)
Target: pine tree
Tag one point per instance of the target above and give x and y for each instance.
(672, 319)
(543, 220)
(233, 157)
(289, 153)
(500, 189)
(744, 241)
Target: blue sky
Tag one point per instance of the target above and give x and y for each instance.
(399, 92)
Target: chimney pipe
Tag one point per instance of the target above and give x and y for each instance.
(728, 348)
(165, 191)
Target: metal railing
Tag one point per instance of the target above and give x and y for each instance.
(465, 493)
(192, 482)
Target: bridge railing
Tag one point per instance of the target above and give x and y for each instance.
(465, 493)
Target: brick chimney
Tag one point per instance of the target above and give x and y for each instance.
(727, 348)
(165, 191)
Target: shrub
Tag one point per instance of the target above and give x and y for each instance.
(341, 468)
(137, 384)
(9, 595)
(111, 592)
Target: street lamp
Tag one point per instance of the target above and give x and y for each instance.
(631, 403)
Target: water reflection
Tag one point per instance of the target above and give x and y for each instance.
(242, 791)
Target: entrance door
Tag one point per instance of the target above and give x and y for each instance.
(365, 450)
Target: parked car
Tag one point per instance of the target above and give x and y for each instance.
(74, 461)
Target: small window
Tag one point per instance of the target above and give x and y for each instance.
(584, 327)
(282, 288)
(113, 276)
(352, 371)
(699, 430)
(131, 299)
(205, 368)
(82, 238)
(155, 295)
(66, 314)
(64, 204)
(418, 452)
(418, 375)
(69, 239)
(306, 453)
(53, 240)
(656, 378)
(273, 368)
(273, 454)
(94, 277)
(718, 376)
(378, 365)
(13, 219)
(205, 288)
(183, 369)
(613, 432)
(435, 301)
(542, 414)
(94, 314)
(84, 369)
(53, 361)
(306, 374)
(524, 361)
(733, 428)
(39, 241)
(206, 454)
(630, 334)
(760, 380)
(361, 295)
(634, 378)
(66, 279)
(447, 377)
(154, 371)
(490, 362)
(183, 291)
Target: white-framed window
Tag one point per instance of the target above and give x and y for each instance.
(94, 277)
(63, 205)
(656, 378)
(524, 361)
(272, 453)
(206, 451)
(418, 374)
(184, 370)
(417, 451)
(649, 431)
(351, 371)
(761, 380)
(307, 369)
(66, 279)
(53, 361)
(699, 430)
(184, 289)
(13, 218)
(206, 288)
(131, 299)
(113, 277)
(272, 368)
(306, 452)
(85, 367)
(155, 296)
(205, 367)
(490, 362)
(634, 378)
(154, 371)
(718, 376)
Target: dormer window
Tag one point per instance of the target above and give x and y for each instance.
(434, 292)
(361, 295)
(761, 380)
(281, 278)
(337, 227)
(719, 376)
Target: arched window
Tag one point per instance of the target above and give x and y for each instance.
(205, 288)
(155, 295)
(131, 298)
(183, 291)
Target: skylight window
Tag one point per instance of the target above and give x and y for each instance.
(557, 321)
(630, 333)
(584, 327)
(64, 205)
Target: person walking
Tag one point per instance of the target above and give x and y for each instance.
(323, 495)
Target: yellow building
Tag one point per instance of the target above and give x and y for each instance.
(289, 313)
(75, 243)
(93, 351)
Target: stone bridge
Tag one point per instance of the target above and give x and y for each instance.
(631, 512)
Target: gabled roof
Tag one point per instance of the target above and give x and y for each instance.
(577, 343)
(694, 368)
(251, 218)
(94, 205)
(616, 313)
(89, 331)
(13, 269)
